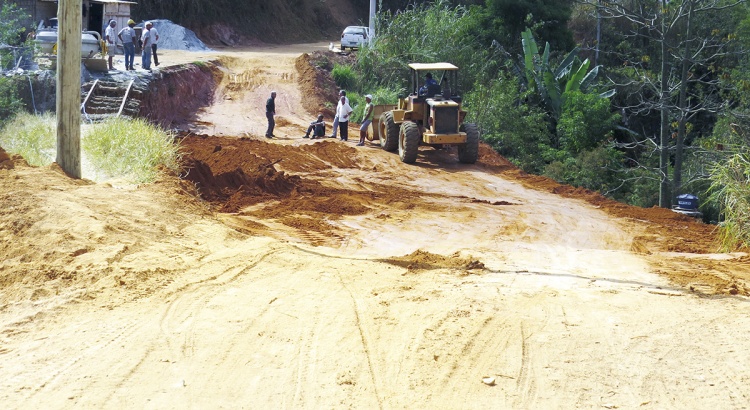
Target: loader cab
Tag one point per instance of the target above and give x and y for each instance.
(444, 75)
(441, 94)
(444, 87)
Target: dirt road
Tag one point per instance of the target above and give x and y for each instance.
(342, 278)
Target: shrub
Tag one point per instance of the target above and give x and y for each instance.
(515, 130)
(730, 186)
(597, 169)
(344, 76)
(585, 121)
(10, 103)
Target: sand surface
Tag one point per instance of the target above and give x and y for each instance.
(317, 274)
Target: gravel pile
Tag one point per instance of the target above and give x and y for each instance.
(175, 37)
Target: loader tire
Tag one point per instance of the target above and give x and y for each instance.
(388, 132)
(468, 152)
(408, 142)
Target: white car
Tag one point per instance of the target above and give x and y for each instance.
(354, 37)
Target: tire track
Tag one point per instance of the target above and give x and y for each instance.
(188, 300)
(49, 372)
(365, 343)
(526, 383)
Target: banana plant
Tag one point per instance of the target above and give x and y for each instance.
(553, 85)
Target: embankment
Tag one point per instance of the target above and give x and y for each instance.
(174, 95)
(169, 97)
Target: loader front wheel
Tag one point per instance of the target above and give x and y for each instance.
(388, 132)
(408, 142)
(468, 152)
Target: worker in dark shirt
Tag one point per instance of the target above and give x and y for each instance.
(429, 83)
(428, 80)
(270, 112)
(318, 128)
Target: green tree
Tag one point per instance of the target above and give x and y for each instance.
(585, 121)
(555, 85)
(10, 24)
(421, 33)
(679, 47)
(515, 130)
(11, 29)
(549, 17)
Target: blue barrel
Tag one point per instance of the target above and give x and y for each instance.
(687, 201)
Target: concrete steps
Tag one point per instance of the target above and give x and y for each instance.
(103, 99)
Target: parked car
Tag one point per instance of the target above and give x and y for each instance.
(354, 37)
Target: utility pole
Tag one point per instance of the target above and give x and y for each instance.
(665, 193)
(598, 31)
(68, 100)
(372, 21)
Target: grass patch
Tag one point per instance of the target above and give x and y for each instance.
(130, 148)
(34, 137)
(730, 187)
(344, 76)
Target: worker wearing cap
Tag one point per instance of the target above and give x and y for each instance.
(109, 36)
(369, 108)
(127, 36)
(146, 52)
(154, 42)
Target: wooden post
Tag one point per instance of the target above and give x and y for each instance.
(68, 102)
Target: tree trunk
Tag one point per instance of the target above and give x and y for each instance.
(664, 192)
(682, 106)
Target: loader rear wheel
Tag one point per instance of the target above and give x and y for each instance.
(408, 142)
(468, 152)
(388, 132)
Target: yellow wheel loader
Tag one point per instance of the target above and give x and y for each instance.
(430, 115)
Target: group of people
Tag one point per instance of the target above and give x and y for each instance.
(343, 112)
(340, 121)
(148, 40)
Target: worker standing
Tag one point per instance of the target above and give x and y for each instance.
(369, 108)
(343, 111)
(336, 118)
(109, 36)
(146, 52)
(127, 36)
(270, 112)
(154, 42)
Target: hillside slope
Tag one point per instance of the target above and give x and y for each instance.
(234, 23)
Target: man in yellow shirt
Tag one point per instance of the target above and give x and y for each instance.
(367, 120)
